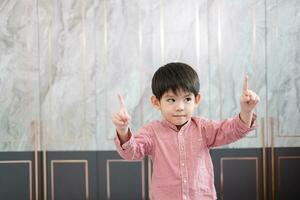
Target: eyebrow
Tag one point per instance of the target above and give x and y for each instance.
(171, 96)
(189, 94)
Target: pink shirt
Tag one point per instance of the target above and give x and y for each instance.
(182, 166)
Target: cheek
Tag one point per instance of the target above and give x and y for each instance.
(166, 109)
(190, 108)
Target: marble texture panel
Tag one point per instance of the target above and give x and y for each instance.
(68, 98)
(120, 66)
(236, 48)
(284, 71)
(63, 63)
(19, 75)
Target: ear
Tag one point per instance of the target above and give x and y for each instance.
(197, 100)
(155, 102)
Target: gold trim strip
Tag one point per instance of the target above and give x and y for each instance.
(29, 162)
(120, 160)
(36, 160)
(105, 61)
(141, 67)
(44, 164)
(272, 158)
(197, 33)
(162, 31)
(237, 158)
(85, 162)
(264, 171)
(219, 55)
(83, 56)
(253, 52)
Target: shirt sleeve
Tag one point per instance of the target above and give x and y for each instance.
(137, 147)
(224, 132)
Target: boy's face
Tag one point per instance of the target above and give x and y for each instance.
(177, 108)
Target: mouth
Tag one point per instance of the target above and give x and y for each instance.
(179, 115)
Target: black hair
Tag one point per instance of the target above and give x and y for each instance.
(175, 76)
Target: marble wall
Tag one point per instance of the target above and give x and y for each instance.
(62, 64)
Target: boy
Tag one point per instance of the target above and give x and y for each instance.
(179, 144)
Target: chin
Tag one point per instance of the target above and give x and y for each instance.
(181, 123)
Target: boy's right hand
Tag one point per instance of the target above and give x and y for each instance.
(121, 119)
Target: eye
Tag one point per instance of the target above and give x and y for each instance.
(188, 99)
(171, 100)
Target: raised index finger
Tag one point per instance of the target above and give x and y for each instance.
(121, 100)
(245, 85)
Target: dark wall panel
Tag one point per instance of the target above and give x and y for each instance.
(102, 175)
(287, 173)
(16, 180)
(70, 180)
(72, 175)
(288, 177)
(126, 179)
(238, 173)
(17, 176)
(239, 179)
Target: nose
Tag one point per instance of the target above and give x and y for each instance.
(179, 106)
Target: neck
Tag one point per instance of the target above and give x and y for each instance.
(180, 126)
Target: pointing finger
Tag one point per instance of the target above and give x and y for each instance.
(123, 110)
(121, 100)
(245, 85)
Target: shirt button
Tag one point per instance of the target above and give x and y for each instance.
(182, 164)
(184, 196)
(184, 180)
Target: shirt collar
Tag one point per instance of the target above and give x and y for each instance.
(172, 126)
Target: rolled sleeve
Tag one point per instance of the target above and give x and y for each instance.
(136, 147)
(123, 148)
(242, 127)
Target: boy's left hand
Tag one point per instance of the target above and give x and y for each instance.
(249, 99)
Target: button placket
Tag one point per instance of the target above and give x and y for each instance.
(183, 168)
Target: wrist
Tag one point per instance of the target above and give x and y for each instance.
(123, 131)
(247, 112)
(123, 136)
(246, 117)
